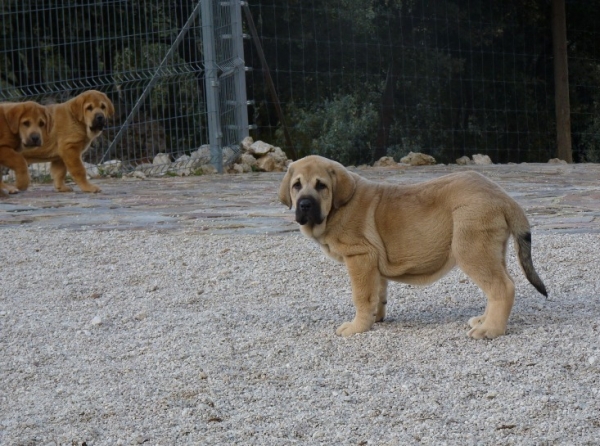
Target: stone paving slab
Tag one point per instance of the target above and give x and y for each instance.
(557, 198)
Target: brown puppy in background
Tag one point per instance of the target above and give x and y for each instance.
(413, 234)
(77, 123)
(21, 124)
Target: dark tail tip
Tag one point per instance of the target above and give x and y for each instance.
(541, 288)
(524, 253)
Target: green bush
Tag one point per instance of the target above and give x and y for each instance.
(341, 129)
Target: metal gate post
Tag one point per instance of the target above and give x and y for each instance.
(215, 134)
(241, 106)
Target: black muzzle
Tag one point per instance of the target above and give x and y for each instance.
(308, 211)
(98, 123)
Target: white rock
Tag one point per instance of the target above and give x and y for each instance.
(161, 158)
(318, 434)
(92, 170)
(248, 160)
(236, 168)
(246, 143)
(230, 155)
(208, 169)
(464, 161)
(418, 159)
(592, 360)
(268, 163)
(279, 155)
(385, 161)
(556, 161)
(202, 154)
(96, 321)
(111, 167)
(480, 159)
(260, 148)
(37, 171)
(138, 174)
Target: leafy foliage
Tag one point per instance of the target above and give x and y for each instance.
(454, 78)
(341, 129)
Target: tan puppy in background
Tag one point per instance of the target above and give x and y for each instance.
(77, 123)
(21, 124)
(413, 234)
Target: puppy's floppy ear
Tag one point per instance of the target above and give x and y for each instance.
(76, 106)
(13, 116)
(284, 189)
(49, 120)
(111, 107)
(344, 185)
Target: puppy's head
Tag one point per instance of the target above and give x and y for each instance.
(314, 186)
(92, 108)
(30, 120)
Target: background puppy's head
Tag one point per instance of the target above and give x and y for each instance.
(314, 185)
(93, 108)
(30, 120)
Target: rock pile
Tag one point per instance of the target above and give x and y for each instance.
(418, 159)
(478, 159)
(253, 156)
(260, 156)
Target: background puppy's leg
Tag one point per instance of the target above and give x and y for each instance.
(482, 258)
(58, 171)
(72, 159)
(15, 161)
(2, 187)
(381, 304)
(366, 282)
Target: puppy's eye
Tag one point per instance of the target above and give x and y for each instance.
(320, 186)
(297, 185)
(26, 123)
(42, 124)
(89, 107)
(103, 106)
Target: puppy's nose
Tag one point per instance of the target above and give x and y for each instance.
(305, 204)
(35, 139)
(99, 118)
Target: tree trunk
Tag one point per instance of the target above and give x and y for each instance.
(561, 82)
(386, 117)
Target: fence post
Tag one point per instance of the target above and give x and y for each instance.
(241, 107)
(215, 134)
(561, 82)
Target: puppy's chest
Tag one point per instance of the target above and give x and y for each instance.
(331, 252)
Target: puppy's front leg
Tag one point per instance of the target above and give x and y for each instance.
(366, 281)
(74, 164)
(15, 161)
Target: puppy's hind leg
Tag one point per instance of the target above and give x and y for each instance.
(500, 299)
(381, 304)
(483, 261)
(58, 171)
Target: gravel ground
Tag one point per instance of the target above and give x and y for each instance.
(141, 337)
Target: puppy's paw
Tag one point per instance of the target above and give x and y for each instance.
(483, 332)
(22, 184)
(477, 320)
(350, 328)
(11, 189)
(64, 188)
(91, 189)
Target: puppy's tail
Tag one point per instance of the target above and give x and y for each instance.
(519, 226)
